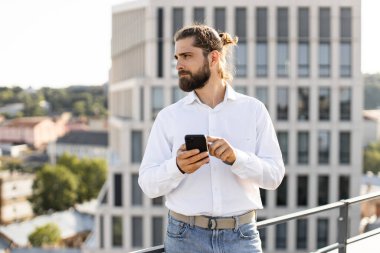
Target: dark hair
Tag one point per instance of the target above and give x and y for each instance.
(208, 39)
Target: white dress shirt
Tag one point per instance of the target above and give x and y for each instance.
(215, 189)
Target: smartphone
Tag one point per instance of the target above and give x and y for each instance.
(196, 141)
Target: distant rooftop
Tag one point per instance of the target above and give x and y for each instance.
(70, 222)
(25, 122)
(93, 138)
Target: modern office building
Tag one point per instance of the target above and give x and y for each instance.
(301, 58)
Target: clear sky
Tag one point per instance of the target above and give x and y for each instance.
(58, 43)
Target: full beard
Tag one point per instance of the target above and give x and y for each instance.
(194, 81)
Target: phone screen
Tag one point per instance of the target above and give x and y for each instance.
(196, 141)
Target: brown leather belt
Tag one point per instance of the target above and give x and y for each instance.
(214, 223)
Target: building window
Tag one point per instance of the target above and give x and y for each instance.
(303, 42)
(159, 201)
(344, 147)
(324, 103)
(157, 100)
(303, 59)
(177, 23)
(281, 236)
(282, 42)
(137, 232)
(345, 23)
(117, 231)
(199, 15)
(262, 95)
(101, 231)
(324, 23)
(220, 19)
(137, 146)
(282, 103)
(157, 235)
(345, 59)
(241, 49)
(282, 193)
(323, 147)
(118, 189)
(177, 94)
(344, 187)
(345, 42)
(160, 42)
(142, 107)
(324, 42)
(301, 234)
(262, 59)
(283, 140)
(137, 195)
(241, 89)
(261, 42)
(282, 59)
(324, 59)
(345, 103)
(302, 190)
(322, 232)
(303, 148)
(303, 104)
(323, 190)
(263, 196)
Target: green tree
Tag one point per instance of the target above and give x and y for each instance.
(372, 157)
(55, 188)
(91, 174)
(47, 235)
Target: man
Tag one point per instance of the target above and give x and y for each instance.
(212, 196)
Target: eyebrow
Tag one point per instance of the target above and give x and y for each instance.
(181, 54)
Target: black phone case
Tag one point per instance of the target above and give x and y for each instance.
(194, 141)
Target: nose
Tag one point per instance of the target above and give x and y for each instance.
(179, 66)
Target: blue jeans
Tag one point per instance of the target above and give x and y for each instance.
(185, 238)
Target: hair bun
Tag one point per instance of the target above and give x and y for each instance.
(227, 39)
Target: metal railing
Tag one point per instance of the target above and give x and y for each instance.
(343, 239)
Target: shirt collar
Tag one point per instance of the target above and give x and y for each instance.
(230, 95)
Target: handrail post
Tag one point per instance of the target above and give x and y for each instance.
(343, 227)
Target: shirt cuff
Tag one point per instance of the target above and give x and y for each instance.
(240, 164)
(173, 170)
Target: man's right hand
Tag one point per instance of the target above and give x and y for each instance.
(190, 161)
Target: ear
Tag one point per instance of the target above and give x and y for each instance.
(213, 58)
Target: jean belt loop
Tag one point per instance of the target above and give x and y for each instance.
(192, 221)
(236, 223)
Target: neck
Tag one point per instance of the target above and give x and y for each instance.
(213, 92)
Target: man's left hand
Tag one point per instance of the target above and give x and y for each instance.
(220, 148)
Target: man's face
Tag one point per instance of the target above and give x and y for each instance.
(193, 68)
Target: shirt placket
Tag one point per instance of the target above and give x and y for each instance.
(215, 181)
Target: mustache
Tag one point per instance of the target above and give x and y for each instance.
(184, 72)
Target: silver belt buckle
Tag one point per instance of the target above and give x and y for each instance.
(212, 223)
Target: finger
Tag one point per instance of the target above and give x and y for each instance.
(212, 138)
(195, 166)
(187, 154)
(196, 158)
(182, 147)
(220, 150)
(214, 146)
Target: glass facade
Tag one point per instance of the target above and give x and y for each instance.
(282, 103)
(303, 147)
(117, 231)
(302, 191)
(137, 194)
(323, 147)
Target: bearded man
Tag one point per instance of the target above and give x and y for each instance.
(212, 196)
